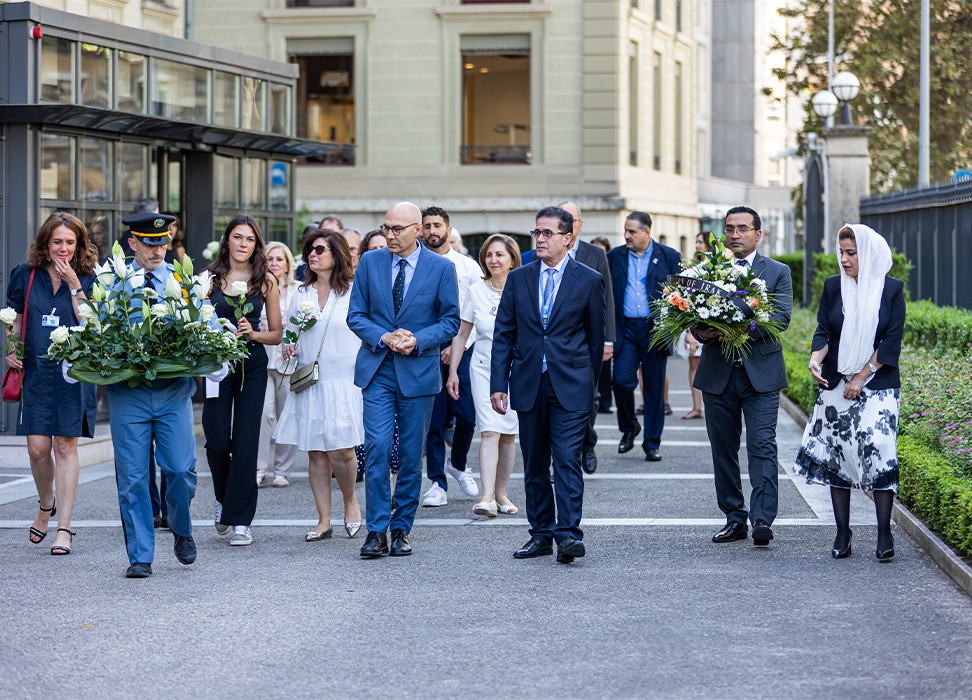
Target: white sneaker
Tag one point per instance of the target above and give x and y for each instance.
(466, 483)
(434, 497)
(241, 536)
(220, 528)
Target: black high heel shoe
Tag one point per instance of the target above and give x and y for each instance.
(837, 552)
(62, 549)
(35, 535)
(884, 555)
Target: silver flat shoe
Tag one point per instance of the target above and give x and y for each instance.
(317, 536)
(352, 528)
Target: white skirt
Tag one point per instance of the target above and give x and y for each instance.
(325, 417)
(486, 418)
(852, 443)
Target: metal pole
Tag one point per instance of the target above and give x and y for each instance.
(830, 55)
(924, 96)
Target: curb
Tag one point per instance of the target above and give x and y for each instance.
(946, 559)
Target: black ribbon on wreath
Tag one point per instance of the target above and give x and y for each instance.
(694, 284)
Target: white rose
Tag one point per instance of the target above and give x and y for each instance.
(8, 315)
(87, 313)
(206, 313)
(159, 310)
(238, 288)
(728, 254)
(59, 334)
(307, 307)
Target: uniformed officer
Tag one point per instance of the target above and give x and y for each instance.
(159, 412)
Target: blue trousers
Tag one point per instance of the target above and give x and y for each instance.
(465, 412)
(631, 351)
(161, 412)
(551, 433)
(384, 405)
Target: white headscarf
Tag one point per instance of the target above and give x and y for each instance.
(862, 299)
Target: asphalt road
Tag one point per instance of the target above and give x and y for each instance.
(654, 610)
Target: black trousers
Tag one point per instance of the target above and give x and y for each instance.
(231, 422)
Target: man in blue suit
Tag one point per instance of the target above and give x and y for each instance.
(638, 271)
(547, 350)
(404, 305)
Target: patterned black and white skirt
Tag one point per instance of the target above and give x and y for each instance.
(852, 443)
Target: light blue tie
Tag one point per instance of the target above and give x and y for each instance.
(546, 307)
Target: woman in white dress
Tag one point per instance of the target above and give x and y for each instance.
(280, 261)
(498, 256)
(325, 420)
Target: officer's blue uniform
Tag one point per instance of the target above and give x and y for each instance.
(160, 411)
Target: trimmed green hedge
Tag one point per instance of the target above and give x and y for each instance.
(938, 327)
(824, 266)
(932, 488)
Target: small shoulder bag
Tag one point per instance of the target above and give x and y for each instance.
(13, 379)
(307, 376)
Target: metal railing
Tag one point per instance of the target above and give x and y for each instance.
(496, 154)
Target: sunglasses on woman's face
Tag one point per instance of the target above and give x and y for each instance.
(319, 250)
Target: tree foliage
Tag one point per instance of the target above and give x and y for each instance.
(879, 41)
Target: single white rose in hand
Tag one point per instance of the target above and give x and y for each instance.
(238, 288)
(307, 307)
(8, 315)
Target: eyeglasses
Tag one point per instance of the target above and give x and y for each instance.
(546, 233)
(319, 249)
(738, 229)
(394, 230)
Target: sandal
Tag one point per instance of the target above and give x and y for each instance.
(61, 549)
(692, 414)
(35, 535)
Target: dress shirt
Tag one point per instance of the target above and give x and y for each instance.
(160, 275)
(410, 263)
(636, 292)
(558, 276)
(749, 260)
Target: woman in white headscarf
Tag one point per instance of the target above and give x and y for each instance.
(851, 437)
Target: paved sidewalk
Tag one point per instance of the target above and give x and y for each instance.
(654, 610)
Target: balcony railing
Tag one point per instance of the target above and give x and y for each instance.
(496, 154)
(320, 3)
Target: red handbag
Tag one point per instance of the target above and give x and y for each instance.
(13, 379)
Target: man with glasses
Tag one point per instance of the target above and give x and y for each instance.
(746, 386)
(638, 271)
(435, 234)
(547, 350)
(404, 305)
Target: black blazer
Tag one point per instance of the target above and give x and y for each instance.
(573, 340)
(665, 261)
(887, 340)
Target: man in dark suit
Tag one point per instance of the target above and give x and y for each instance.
(747, 386)
(595, 258)
(639, 269)
(404, 305)
(547, 349)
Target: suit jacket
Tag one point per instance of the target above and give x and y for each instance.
(665, 261)
(595, 258)
(573, 340)
(430, 311)
(887, 339)
(764, 363)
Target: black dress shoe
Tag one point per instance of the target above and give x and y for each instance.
(762, 533)
(156, 521)
(532, 549)
(589, 462)
(185, 549)
(164, 525)
(139, 570)
(628, 438)
(842, 552)
(731, 532)
(652, 456)
(668, 409)
(569, 549)
(375, 546)
(400, 545)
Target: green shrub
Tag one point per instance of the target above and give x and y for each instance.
(938, 327)
(931, 487)
(825, 265)
(794, 261)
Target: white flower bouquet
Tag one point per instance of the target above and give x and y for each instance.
(131, 334)
(717, 294)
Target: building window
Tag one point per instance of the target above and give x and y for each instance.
(320, 3)
(658, 10)
(325, 100)
(278, 109)
(496, 99)
(94, 183)
(226, 99)
(57, 70)
(95, 76)
(254, 184)
(679, 118)
(254, 107)
(656, 97)
(180, 91)
(678, 15)
(130, 83)
(57, 166)
(227, 183)
(633, 104)
(133, 171)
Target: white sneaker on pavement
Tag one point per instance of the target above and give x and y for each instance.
(434, 497)
(220, 528)
(241, 536)
(466, 483)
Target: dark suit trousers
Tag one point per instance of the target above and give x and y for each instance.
(604, 387)
(551, 432)
(632, 351)
(723, 420)
(465, 412)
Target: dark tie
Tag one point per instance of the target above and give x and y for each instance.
(548, 297)
(149, 281)
(398, 291)
(743, 263)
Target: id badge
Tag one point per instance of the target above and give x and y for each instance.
(51, 320)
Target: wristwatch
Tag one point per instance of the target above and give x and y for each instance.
(873, 367)
(75, 292)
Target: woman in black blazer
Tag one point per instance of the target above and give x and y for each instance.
(851, 437)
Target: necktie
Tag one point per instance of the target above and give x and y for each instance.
(548, 297)
(743, 263)
(398, 291)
